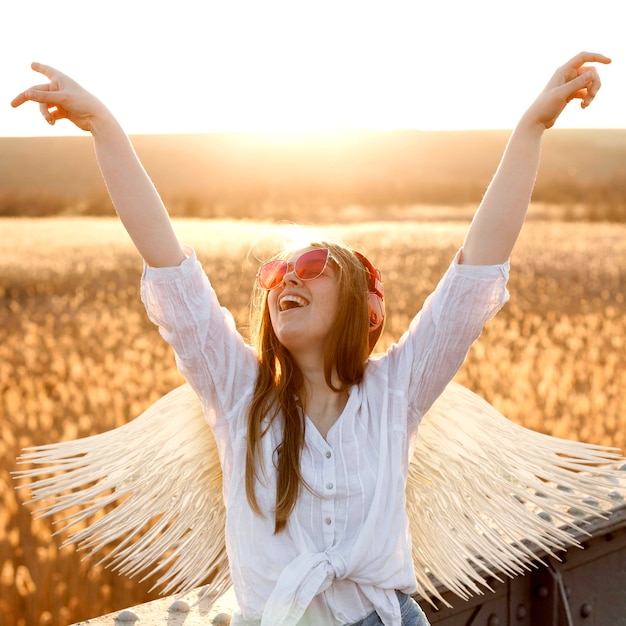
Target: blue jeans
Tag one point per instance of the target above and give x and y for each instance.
(412, 614)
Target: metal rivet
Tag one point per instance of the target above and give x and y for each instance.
(522, 612)
(327, 521)
(493, 620)
(329, 485)
(585, 610)
(180, 606)
(328, 455)
(542, 592)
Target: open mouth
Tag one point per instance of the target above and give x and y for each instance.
(288, 302)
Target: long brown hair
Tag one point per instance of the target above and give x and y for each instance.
(279, 381)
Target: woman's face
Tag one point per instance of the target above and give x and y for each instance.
(302, 312)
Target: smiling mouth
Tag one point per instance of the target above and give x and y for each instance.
(290, 302)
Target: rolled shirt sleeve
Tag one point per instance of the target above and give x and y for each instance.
(434, 347)
(210, 353)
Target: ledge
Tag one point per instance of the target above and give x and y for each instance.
(188, 610)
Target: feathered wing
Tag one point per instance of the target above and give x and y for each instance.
(151, 490)
(484, 495)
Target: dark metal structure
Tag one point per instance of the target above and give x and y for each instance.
(586, 588)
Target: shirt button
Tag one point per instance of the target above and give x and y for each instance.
(328, 521)
(328, 455)
(329, 485)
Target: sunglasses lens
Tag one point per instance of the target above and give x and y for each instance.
(271, 273)
(311, 264)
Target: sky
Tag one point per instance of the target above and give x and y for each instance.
(295, 65)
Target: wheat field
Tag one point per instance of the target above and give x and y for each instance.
(78, 355)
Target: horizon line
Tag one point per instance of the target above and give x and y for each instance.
(307, 132)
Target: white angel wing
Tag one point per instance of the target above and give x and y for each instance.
(486, 496)
(162, 473)
(480, 495)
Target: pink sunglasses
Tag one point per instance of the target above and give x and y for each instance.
(307, 266)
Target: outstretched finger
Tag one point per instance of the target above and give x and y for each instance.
(42, 93)
(587, 57)
(46, 70)
(25, 96)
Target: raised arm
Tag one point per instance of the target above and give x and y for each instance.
(135, 198)
(500, 216)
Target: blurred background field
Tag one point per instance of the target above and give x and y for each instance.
(318, 176)
(78, 355)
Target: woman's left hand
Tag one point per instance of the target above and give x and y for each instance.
(573, 80)
(498, 221)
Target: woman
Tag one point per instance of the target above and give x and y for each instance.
(314, 435)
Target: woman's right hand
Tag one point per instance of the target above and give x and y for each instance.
(136, 200)
(62, 98)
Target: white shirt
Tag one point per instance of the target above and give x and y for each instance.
(346, 547)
